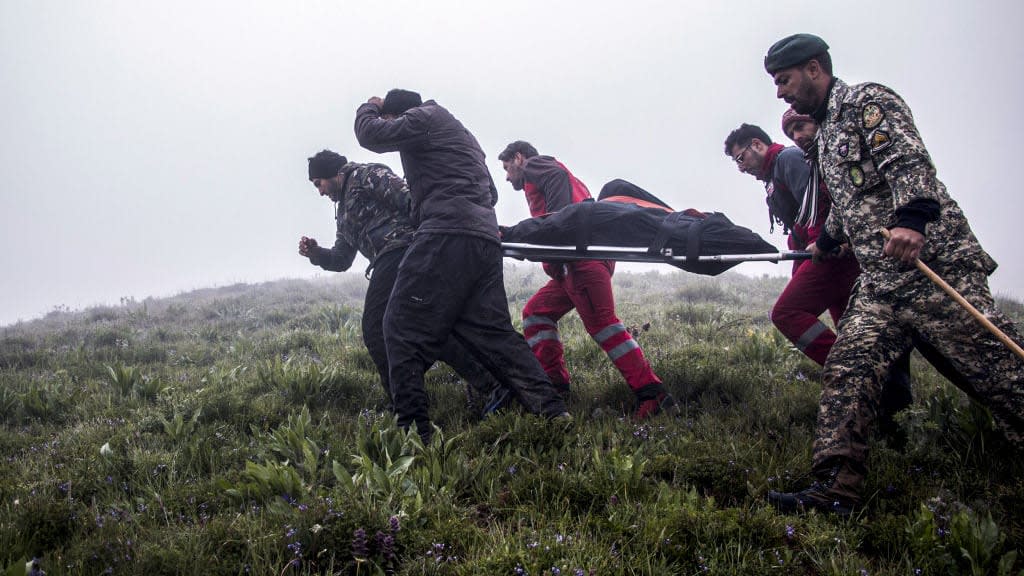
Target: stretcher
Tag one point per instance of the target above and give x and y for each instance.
(539, 253)
(629, 224)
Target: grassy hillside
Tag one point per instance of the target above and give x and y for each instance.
(239, 431)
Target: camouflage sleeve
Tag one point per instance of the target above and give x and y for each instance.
(887, 127)
(391, 191)
(339, 257)
(834, 227)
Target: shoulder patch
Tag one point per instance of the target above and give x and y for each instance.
(879, 140)
(872, 115)
(857, 176)
(843, 149)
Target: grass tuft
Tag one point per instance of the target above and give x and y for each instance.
(241, 430)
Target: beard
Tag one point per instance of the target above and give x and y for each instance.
(803, 108)
(806, 100)
(518, 182)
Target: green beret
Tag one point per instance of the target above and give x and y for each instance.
(793, 50)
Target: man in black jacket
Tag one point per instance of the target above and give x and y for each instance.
(372, 213)
(450, 281)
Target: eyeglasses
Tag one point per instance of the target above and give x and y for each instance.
(739, 157)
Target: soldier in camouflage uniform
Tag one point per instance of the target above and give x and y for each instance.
(372, 212)
(881, 176)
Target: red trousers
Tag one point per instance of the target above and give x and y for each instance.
(814, 289)
(587, 287)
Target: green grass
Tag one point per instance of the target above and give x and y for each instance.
(238, 431)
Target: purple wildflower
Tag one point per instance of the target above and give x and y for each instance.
(359, 548)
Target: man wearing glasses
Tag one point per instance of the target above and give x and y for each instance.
(813, 289)
(800, 204)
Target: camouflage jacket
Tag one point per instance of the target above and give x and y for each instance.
(372, 215)
(874, 162)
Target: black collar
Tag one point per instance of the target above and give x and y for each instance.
(819, 113)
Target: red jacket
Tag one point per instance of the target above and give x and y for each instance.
(549, 186)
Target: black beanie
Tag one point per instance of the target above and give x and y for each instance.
(398, 101)
(325, 164)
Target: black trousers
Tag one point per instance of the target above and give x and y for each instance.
(385, 271)
(453, 286)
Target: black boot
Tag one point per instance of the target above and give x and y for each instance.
(818, 496)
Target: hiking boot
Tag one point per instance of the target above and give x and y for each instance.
(562, 388)
(816, 497)
(662, 403)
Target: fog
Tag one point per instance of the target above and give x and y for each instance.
(148, 149)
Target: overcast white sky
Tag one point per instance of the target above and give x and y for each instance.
(152, 148)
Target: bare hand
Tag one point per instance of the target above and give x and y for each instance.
(904, 244)
(306, 246)
(817, 255)
(376, 100)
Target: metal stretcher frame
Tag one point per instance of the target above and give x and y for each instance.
(540, 253)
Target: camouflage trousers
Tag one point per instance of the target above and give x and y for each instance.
(875, 331)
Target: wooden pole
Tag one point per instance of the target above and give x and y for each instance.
(967, 305)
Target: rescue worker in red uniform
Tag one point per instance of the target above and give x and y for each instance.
(800, 207)
(799, 202)
(583, 285)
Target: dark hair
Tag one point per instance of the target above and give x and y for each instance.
(824, 60)
(326, 164)
(518, 147)
(398, 101)
(744, 135)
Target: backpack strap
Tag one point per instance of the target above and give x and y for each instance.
(693, 240)
(668, 224)
(584, 225)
